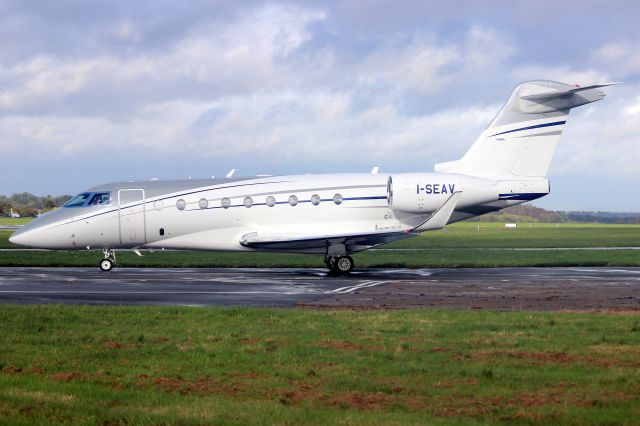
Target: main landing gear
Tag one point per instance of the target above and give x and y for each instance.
(339, 264)
(108, 261)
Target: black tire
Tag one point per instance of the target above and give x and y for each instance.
(344, 264)
(106, 265)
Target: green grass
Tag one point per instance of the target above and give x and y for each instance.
(14, 221)
(396, 259)
(495, 235)
(89, 365)
(462, 246)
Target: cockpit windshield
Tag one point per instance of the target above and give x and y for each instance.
(89, 199)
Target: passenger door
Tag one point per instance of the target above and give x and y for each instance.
(131, 217)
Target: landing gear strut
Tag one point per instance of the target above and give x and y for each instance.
(339, 264)
(108, 261)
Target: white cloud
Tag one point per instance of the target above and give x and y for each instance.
(622, 58)
(212, 60)
(427, 64)
(288, 126)
(237, 89)
(561, 73)
(603, 139)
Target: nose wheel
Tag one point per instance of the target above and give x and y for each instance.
(106, 264)
(339, 264)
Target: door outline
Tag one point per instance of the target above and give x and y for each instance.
(144, 215)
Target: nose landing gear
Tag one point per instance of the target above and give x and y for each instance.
(339, 264)
(106, 264)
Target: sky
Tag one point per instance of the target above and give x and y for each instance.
(96, 92)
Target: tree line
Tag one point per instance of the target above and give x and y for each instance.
(26, 204)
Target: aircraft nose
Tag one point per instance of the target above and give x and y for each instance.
(30, 235)
(19, 238)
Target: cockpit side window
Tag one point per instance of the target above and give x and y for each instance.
(89, 199)
(78, 200)
(100, 198)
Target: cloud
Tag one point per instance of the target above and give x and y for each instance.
(562, 73)
(624, 58)
(240, 89)
(427, 64)
(211, 60)
(603, 139)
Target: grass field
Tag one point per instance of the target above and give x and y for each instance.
(464, 245)
(88, 365)
(14, 221)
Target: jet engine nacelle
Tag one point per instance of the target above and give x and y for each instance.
(421, 193)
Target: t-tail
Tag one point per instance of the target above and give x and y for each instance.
(521, 140)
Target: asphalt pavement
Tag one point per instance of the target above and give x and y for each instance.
(466, 288)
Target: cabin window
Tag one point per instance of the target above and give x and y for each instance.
(293, 200)
(225, 203)
(181, 204)
(161, 231)
(203, 203)
(248, 202)
(337, 199)
(315, 199)
(158, 205)
(271, 201)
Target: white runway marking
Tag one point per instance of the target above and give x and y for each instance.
(352, 288)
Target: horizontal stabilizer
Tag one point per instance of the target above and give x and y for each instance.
(554, 93)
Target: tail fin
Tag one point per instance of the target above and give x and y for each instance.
(522, 139)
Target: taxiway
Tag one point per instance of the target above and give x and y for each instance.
(465, 288)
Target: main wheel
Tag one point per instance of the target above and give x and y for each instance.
(344, 264)
(106, 265)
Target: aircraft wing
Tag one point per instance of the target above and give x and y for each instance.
(351, 242)
(321, 243)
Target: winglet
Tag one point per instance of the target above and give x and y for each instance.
(231, 173)
(440, 217)
(375, 170)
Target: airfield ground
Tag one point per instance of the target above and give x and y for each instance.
(185, 365)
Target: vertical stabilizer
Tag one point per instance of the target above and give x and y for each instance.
(522, 138)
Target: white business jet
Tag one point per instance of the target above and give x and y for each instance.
(333, 215)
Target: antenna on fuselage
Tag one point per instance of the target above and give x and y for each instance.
(231, 173)
(375, 170)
